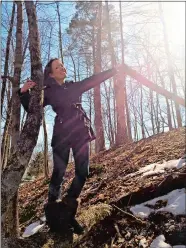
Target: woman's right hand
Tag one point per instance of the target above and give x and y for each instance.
(28, 85)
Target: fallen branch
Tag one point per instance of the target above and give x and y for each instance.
(131, 215)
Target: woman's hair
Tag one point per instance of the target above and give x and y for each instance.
(48, 68)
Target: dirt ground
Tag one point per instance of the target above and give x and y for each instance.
(110, 184)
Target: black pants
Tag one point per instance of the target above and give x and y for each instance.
(60, 158)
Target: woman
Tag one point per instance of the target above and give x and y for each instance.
(72, 127)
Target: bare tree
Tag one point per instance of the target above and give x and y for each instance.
(108, 98)
(60, 33)
(12, 212)
(7, 57)
(46, 168)
(170, 65)
(100, 141)
(121, 131)
(129, 134)
(18, 161)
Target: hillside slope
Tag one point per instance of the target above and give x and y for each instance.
(113, 181)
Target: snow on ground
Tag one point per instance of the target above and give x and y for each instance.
(159, 242)
(175, 199)
(175, 204)
(32, 229)
(157, 168)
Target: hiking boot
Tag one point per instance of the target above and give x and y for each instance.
(72, 204)
(78, 229)
(70, 201)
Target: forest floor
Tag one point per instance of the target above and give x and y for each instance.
(114, 185)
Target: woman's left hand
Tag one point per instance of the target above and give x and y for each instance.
(28, 85)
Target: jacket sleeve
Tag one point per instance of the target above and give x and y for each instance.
(96, 79)
(24, 98)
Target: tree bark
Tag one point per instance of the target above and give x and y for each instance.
(46, 168)
(141, 113)
(12, 224)
(100, 140)
(5, 135)
(7, 57)
(12, 175)
(126, 109)
(121, 130)
(16, 106)
(60, 33)
(110, 125)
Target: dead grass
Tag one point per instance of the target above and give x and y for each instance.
(94, 214)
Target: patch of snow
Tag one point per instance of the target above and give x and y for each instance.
(141, 211)
(32, 229)
(156, 168)
(159, 242)
(175, 204)
(181, 162)
(159, 168)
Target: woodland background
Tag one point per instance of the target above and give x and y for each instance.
(90, 37)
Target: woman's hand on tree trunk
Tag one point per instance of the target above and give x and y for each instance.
(28, 85)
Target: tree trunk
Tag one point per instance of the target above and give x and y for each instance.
(141, 113)
(7, 57)
(16, 106)
(126, 109)
(121, 130)
(157, 114)
(173, 113)
(90, 116)
(5, 135)
(100, 140)
(12, 175)
(163, 85)
(170, 65)
(49, 47)
(46, 168)
(60, 33)
(12, 224)
(110, 125)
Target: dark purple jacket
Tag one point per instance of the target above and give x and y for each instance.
(71, 122)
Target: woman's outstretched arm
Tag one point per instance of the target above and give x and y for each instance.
(96, 79)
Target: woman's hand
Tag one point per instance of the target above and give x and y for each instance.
(28, 85)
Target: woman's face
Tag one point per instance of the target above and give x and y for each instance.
(58, 71)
